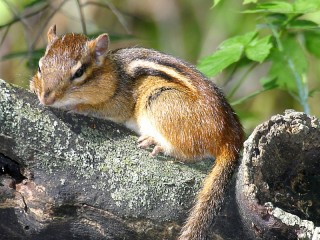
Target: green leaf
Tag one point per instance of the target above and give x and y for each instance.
(229, 52)
(276, 17)
(242, 39)
(279, 7)
(221, 59)
(281, 69)
(258, 49)
(306, 6)
(275, 7)
(303, 24)
(299, 6)
(312, 41)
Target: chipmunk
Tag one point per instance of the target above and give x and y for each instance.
(165, 100)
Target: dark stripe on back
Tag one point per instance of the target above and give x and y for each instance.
(156, 93)
(140, 71)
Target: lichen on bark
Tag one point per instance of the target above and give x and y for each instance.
(81, 160)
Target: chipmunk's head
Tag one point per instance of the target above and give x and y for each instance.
(68, 65)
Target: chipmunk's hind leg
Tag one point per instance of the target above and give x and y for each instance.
(167, 121)
(151, 121)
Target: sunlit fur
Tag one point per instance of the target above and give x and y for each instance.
(154, 94)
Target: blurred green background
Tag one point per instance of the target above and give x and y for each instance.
(187, 29)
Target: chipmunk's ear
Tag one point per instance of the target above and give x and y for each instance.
(52, 34)
(99, 46)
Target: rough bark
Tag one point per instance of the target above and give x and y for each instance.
(278, 181)
(67, 176)
(78, 171)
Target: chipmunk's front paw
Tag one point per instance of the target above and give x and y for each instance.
(146, 141)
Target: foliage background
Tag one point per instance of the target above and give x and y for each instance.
(187, 29)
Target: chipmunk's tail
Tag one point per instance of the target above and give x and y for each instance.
(210, 198)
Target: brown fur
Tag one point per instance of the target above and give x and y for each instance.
(126, 85)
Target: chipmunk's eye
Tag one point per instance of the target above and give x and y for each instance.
(39, 69)
(79, 72)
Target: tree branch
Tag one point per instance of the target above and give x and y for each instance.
(74, 167)
(74, 177)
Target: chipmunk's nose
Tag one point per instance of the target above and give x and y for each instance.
(48, 98)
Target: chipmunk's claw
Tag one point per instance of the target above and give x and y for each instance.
(145, 141)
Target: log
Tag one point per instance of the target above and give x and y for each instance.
(67, 176)
(70, 175)
(278, 180)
